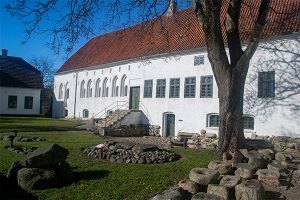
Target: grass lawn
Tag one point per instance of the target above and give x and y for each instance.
(104, 180)
(32, 124)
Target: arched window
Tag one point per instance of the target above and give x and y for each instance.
(85, 113)
(89, 89)
(67, 95)
(123, 86)
(97, 88)
(82, 89)
(104, 88)
(60, 91)
(114, 88)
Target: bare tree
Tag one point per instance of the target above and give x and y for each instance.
(73, 19)
(46, 67)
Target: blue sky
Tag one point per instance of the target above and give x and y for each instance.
(12, 34)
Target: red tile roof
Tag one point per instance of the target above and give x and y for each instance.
(179, 32)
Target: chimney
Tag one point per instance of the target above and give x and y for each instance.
(4, 53)
(172, 8)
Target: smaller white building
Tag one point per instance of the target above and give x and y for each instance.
(20, 86)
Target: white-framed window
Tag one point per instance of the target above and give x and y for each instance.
(12, 102)
(82, 89)
(266, 84)
(198, 60)
(160, 88)
(174, 88)
(60, 91)
(114, 92)
(206, 87)
(212, 120)
(248, 122)
(189, 87)
(89, 89)
(28, 102)
(148, 84)
(85, 113)
(97, 88)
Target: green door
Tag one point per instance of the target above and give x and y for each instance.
(170, 125)
(134, 99)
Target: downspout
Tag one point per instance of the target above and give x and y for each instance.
(75, 99)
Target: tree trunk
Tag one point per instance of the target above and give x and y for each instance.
(231, 127)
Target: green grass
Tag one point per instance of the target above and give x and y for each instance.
(32, 124)
(105, 180)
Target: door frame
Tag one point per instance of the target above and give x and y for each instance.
(164, 123)
(130, 96)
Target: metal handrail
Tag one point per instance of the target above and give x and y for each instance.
(104, 111)
(145, 110)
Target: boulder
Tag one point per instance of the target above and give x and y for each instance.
(267, 154)
(218, 190)
(249, 190)
(244, 170)
(237, 157)
(203, 132)
(189, 186)
(230, 181)
(227, 157)
(194, 137)
(257, 163)
(223, 168)
(204, 176)
(268, 177)
(12, 172)
(279, 156)
(47, 155)
(205, 196)
(210, 135)
(36, 178)
(173, 194)
(277, 167)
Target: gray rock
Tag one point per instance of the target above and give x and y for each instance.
(204, 176)
(244, 170)
(277, 167)
(218, 190)
(267, 154)
(223, 168)
(257, 163)
(13, 170)
(36, 178)
(188, 185)
(279, 156)
(210, 135)
(249, 190)
(46, 155)
(173, 194)
(230, 181)
(205, 196)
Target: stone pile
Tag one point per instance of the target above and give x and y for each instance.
(46, 167)
(23, 139)
(245, 174)
(154, 130)
(21, 150)
(123, 152)
(195, 140)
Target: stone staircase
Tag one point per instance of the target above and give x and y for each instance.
(110, 120)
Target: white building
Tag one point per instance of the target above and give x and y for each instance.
(20, 86)
(169, 77)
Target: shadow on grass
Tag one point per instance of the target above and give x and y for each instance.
(90, 175)
(9, 191)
